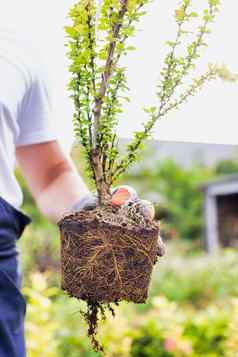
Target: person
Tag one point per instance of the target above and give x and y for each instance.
(27, 135)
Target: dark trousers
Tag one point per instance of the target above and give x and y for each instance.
(12, 303)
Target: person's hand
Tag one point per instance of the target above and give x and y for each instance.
(87, 202)
(122, 195)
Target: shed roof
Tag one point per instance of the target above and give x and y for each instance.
(221, 186)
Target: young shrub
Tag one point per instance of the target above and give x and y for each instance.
(108, 253)
(99, 85)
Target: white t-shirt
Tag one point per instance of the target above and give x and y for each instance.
(25, 108)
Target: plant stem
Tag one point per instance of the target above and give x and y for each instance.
(102, 187)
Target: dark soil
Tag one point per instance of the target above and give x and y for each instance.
(107, 256)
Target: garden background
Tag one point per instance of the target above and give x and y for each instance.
(193, 305)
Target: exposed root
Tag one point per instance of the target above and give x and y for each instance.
(96, 312)
(107, 256)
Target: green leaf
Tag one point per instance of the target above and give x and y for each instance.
(193, 14)
(71, 31)
(180, 14)
(131, 48)
(214, 2)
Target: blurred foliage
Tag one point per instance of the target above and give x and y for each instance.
(171, 331)
(40, 326)
(197, 279)
(29, 205)
(54, 327)
(226, 167)
(208, 326)
(180, 195)
(192, 310)
(193, 305)
(232, 336)
(40, 249)
(178, 192)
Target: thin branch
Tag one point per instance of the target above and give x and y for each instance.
(119, 170)
(190, 57)
(125, 37)
(109, 115)
(87, 89)
(171, 57)
(112, 160)
(198, 83)
(165, 97)
(107, 71)
(102, 187)
(91, 47)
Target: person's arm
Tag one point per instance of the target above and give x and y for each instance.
(51, 177)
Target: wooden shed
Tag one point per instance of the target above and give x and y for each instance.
(221, 213)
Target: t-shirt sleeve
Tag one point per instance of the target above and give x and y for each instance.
(35, 117)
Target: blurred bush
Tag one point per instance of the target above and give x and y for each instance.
(179, 193)
(193, 305)
(197, 280)
(40, 244)
(232, 335)
(173, 332)
(207, 331)
(40, 251)
(161, 332)
(29, 206)
(55, 329)
(41, 327)
(226, 167)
